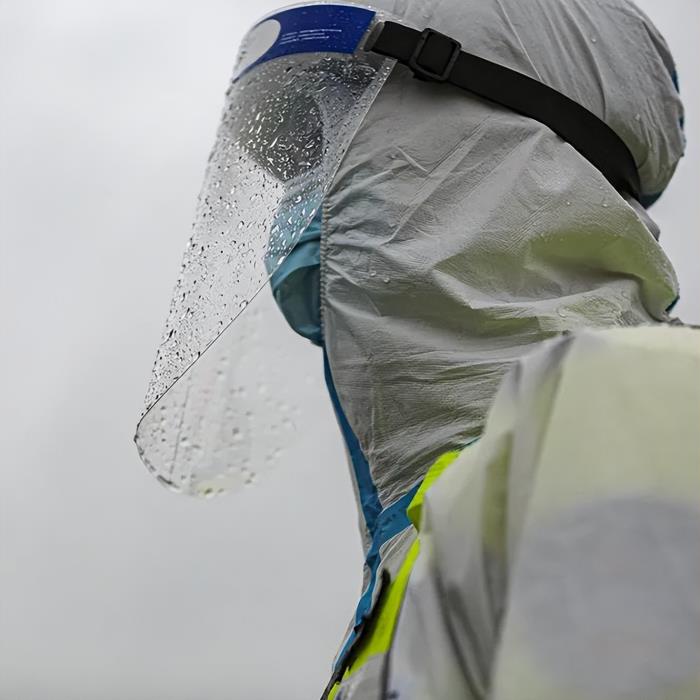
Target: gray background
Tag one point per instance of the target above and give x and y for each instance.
(111, 587)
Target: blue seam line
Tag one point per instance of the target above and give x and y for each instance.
(392, 521)
(382, 524)
(369, 498)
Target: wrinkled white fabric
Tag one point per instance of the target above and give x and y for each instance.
(559, 554)
(458, 235)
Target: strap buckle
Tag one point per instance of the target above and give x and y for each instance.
(434, 56)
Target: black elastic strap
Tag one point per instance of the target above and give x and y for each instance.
(435, 57)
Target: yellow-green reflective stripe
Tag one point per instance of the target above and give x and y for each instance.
(381, 632)
(379, 635)
(415, 508)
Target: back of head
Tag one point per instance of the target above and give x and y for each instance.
(606, 55)
(458, 234)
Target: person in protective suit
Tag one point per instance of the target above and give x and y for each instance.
(525, 471)
(457, 237)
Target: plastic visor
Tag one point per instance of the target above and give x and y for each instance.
(215, 409)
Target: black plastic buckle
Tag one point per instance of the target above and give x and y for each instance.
(434, 56)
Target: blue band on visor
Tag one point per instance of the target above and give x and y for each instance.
(322, 28)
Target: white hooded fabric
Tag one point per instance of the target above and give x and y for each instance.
(458, 235)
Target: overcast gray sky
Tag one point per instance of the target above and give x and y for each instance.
(111, 587)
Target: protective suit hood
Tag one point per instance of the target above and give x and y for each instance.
(457, 234)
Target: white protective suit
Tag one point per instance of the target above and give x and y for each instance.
(559, 556)
(458, 236)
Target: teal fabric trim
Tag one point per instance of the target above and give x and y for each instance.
(296, 284)
(382, 523)
(367, 490)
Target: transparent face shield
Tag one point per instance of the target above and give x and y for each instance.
(216, 410)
